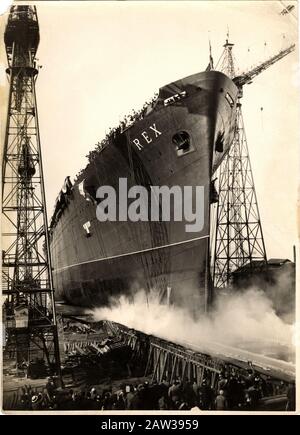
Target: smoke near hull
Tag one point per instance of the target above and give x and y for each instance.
(246, 320)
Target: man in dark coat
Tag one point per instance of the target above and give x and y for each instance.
(205, 395)
(291, 396)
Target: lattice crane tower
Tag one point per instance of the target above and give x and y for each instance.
(29, 309)
(238, 238)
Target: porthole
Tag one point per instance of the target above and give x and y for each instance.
(182, 142)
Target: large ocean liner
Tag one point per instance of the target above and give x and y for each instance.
(178, 140)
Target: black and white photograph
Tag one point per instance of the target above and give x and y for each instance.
(149, 232)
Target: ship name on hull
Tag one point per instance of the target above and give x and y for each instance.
(147, 137)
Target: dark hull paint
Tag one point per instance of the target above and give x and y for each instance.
(122, 257)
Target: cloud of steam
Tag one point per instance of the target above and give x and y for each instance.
(243, 319)
(282, 293)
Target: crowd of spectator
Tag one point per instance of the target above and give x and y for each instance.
(232, 392)
(127, 121)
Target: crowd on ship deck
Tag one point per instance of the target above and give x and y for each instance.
(232, 392)
(126, 122)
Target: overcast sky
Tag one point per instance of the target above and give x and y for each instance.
(102, 59)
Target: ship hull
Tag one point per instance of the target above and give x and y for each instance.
(122, 257)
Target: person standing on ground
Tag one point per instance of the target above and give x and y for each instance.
(221, 402)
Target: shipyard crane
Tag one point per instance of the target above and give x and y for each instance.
(238, 244)
(29, 309)
(247, 77)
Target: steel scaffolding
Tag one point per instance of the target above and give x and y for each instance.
(238, 237)
(29, 309)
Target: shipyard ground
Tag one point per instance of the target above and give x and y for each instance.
(107, 366)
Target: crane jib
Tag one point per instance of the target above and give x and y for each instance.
(247, 77)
